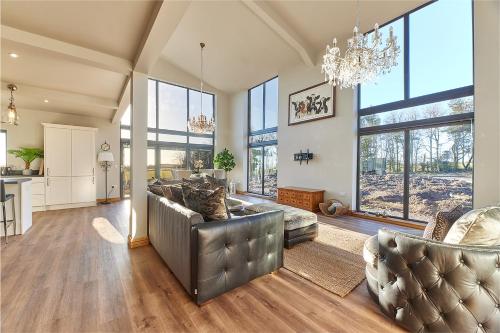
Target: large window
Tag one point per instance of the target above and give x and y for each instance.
(170, 143)
(262, 138)
(416, 123)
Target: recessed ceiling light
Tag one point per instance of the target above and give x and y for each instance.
(14, 55)
(45, 100)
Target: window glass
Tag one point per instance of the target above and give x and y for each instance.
(171, 159)
(151, 136)
(151, 104)
(255, 170)
(382, 173)
(261, 138)
(125, 133)
(420, 112)
(271, 170)
(256, 108)
(172, 138)
(441, 47)
(389, 87)
(172, 104)
(271, 103)
(440, 170)
(200, 140)
(151, 160)
(205, 156)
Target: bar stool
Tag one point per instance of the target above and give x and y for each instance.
(3, 200)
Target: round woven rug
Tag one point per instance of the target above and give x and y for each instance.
(333, 261)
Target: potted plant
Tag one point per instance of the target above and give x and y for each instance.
(28, 155)
(225, 160)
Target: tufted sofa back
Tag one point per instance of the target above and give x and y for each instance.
(429, 286)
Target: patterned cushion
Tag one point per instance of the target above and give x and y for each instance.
(295, 218)
(156, 189)
(210, 204)
(438, 228)
(216, 182)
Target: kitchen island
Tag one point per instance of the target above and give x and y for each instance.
(21, 188)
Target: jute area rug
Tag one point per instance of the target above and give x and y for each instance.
(333, 261)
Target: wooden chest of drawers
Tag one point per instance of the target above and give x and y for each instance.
(299, 197)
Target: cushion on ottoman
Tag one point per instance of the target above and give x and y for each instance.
(370, 251)
(294, 217)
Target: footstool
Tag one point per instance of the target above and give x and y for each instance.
(300, 225)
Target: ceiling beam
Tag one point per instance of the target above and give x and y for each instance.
(283, 29)
(53, 95)
(124, 102)
(163, 23)
(70, 51)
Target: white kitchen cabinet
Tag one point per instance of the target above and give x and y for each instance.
(57, 152)
(57, 190)
(70, 162)
(82, 189)
(83, 162)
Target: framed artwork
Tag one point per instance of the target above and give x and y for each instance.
(313, 103)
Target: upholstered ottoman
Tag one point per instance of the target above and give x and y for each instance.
(300, 225)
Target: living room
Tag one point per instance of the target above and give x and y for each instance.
(208, 166)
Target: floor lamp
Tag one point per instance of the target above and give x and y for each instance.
(105, 159)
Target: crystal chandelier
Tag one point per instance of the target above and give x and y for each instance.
(364, 60)
(201, 124)
(11, 116)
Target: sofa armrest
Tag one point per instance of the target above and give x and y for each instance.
(233, 252)
(169, 231)
(430, 286)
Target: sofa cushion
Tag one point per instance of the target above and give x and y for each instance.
(477, 227)
(216, 182)
(370, 251)
(156, 189)
(438, 228)
(294, 217)
(210, 204)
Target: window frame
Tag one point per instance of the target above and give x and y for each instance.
(159, 145)
(263, 144)
(407, 102)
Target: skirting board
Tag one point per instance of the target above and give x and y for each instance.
(66, 206)
(114, 199)
(137, 242)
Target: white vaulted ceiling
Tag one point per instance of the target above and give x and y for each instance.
(84, 51)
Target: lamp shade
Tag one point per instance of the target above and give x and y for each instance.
(105, 156)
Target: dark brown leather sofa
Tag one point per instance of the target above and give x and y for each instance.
(430, 286)
(211, 258)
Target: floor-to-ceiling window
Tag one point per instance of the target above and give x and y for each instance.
(263, 139)
(416, 123)
(170, 143)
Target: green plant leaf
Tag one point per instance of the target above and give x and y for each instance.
(224, 160)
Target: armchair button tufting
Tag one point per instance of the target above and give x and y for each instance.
(478, 283)
(497, 265)
(497, 305)
(480, 325)
(424, 290)
(461, 301)
(441, 275)
(462, 261)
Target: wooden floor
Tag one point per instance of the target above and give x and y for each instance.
(72, 271)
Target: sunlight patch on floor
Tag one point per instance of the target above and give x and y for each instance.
(107, 231)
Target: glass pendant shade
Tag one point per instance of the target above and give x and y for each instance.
(11, 116)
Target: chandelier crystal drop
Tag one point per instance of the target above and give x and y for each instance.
(11, 116)
(201, 124)
(365, 59)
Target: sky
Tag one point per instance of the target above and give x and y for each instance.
(441, 54)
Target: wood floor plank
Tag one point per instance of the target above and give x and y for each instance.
(73, 272)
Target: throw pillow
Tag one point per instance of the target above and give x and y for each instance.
(174, 193)
(210, 204)
(438, 228)
(477, 227)
(156, 189)
(216, 182)
(195, 181)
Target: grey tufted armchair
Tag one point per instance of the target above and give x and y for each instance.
(430, 286)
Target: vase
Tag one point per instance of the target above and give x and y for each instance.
(27, 172)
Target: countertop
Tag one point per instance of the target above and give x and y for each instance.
(15, 179)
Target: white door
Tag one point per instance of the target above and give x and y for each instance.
(57, 152)
(82, 189)
(58, 190)
(83, 158)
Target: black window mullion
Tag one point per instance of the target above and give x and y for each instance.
(264, 106)
(188, 116)
(406, 56)
(406, 182)
(157, 109)
(263, 163)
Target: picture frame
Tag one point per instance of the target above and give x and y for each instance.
(312, 103)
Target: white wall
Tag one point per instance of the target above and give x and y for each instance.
(331, 140)
(29, 133)
(237, 137)
(487, 103)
